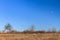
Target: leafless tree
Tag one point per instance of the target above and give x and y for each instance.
(7, 27)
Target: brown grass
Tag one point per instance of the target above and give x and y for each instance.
(34, 36)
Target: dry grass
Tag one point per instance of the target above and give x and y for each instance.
(38, 36)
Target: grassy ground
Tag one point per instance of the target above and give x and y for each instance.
(38, 36)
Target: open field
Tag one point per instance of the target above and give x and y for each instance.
(34, 36)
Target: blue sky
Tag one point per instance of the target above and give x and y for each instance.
(21, 14)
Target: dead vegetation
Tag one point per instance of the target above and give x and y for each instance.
(9, 34)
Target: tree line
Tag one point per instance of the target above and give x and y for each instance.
(8, 28)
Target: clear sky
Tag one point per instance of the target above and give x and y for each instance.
(21, 14)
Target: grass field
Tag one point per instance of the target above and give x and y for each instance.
(27, 36)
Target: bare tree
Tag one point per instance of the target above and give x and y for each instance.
(54, 30)
(32, 28)
(7, 27)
